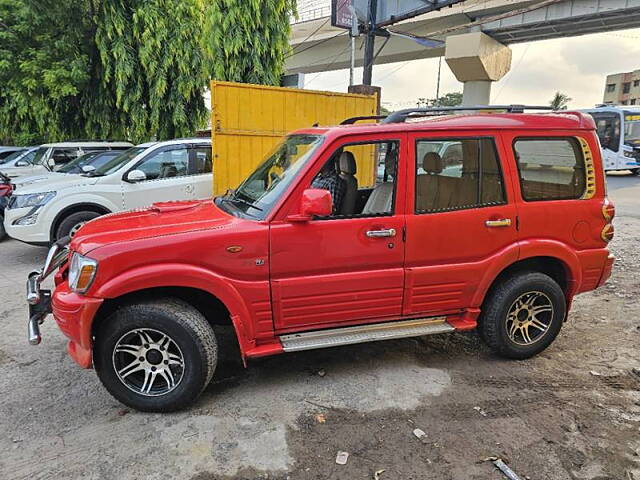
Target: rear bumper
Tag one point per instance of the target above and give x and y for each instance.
(606, 271)
(596, 268)
(74, 315)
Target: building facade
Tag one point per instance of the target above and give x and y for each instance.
(622, 88)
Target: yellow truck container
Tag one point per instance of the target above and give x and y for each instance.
(248, 120)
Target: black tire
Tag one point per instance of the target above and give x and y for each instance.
(635, 171)
(185, 326)
(72, 221)
(494, 322)
(3, 232)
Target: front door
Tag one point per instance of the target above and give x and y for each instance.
(462, 221)
(167, 178)
(348, 267)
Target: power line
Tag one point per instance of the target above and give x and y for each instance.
(328, 66)
(312, 33)
(506, 80)
(344, 32)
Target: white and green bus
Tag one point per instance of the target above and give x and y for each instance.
(619, 133)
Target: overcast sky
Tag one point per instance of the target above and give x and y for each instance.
(576, 66)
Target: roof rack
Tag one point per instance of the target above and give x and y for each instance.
(352, 120)
(401, 115)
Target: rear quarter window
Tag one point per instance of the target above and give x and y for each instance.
(550, 168)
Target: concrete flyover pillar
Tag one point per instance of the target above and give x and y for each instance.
(476, 60)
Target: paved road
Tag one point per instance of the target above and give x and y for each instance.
(571, 413)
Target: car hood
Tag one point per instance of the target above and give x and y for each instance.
(56, 182)
(50, 177)
(161, 219)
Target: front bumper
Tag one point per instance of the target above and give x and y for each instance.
(36, 233)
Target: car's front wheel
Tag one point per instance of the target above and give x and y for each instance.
(155, 356)
(523, 315)
(3, 232)
(70, 225)
(635, 171)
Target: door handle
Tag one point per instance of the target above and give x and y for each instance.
(503, 222)
(390, 232)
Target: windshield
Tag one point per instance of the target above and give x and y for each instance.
(40, 154)
(12, 156)
(115, 163)
(257, 195)
(77, 164)
(632, 127)
(608, 129)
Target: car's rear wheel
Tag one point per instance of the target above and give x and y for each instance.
(70, 225)
(3, 232)
(523, 315)
(155, 356)
(635, 171)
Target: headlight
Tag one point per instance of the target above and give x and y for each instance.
(82, 270)
(31, 200)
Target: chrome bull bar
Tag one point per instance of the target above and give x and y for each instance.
(39, 300)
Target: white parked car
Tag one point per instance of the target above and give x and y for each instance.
(52, 155)
(43, 212)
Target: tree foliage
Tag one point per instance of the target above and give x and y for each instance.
(248, 40)
(452, 99)
(101, 69)
(560, 101)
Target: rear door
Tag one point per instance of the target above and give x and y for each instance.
(200, 169)
(461, 219)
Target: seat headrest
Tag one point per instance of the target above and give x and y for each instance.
(391, 163)
(432, 163)
(347, 163)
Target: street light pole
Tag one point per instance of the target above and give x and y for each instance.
(369, 42)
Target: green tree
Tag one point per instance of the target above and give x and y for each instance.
(101, 69)
(452, 99)
(248, 40)
(560, 101)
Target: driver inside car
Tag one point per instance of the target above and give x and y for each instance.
(328, 179)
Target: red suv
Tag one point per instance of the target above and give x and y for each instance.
(342, 235)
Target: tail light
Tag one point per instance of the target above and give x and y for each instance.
(608, 212)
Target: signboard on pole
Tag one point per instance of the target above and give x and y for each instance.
(388, 12)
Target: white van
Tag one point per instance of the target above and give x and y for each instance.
(51, 155)
(43, 212)
(618, 130)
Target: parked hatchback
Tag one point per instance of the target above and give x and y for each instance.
(315, 250)
(45, 211)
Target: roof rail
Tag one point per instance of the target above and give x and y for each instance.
(352, 120)
(401, 115)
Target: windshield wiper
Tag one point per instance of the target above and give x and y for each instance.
(236, 198)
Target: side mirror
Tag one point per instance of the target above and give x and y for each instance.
(22, 163)
(89, 168)
(135, 176)
(315, 202)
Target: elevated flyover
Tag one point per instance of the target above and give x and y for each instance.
(318, 47)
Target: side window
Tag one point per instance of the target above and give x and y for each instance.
(608, 129)
(454, 174)
(361, 178)
(201, 160)
(550, 168)
(165, 164)
(64, 155)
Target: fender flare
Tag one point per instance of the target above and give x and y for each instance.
(190, 276)
(531, 248)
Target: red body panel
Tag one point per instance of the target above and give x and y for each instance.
(285, 274)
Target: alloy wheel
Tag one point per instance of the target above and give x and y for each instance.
(529, 318)
(148, 362)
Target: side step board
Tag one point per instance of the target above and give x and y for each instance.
(364, 333)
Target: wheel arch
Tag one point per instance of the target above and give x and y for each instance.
(556, 268)
(215, 297)
(75, 208)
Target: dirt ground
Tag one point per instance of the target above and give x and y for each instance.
(573, 412)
